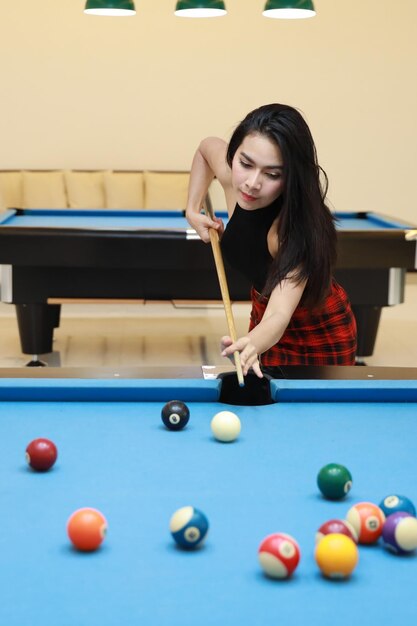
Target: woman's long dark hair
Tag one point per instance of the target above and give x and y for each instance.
(306, 231)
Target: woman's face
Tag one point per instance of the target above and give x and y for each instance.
(257, 172)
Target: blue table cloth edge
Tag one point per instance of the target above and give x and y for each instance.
(148, 390)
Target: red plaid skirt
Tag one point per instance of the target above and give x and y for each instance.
(327, 337)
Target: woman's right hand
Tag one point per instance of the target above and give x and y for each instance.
(249, 357)
(201, 224)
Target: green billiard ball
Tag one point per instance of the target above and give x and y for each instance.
(334, 481)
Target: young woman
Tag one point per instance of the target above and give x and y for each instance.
(281, 236)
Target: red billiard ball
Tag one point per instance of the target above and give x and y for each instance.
(368, 521)
(41, 454)
(86, 529)
(338, 526)
(279, 555)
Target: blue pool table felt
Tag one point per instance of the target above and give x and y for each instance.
(117, 456)
(145, 219)
(98, 219)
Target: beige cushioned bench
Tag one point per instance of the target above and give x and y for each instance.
(60, 189)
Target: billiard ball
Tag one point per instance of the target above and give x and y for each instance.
(339, 526)
(225, 426)
(41, 454)
(334, 481)
(189, 527)
(393, 503)
(279, 555)
(87, 529)
(175, 415)
(336, 555)
(400, 532)
(367, 519)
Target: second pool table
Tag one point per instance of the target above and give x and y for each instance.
(51, 256)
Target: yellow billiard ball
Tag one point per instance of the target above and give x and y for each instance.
(336, 555)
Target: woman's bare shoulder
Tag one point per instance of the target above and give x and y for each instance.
(214, 150)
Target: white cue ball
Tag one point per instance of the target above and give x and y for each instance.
(225, 426)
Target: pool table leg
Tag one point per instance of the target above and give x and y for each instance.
(36, 323)
(367, 321)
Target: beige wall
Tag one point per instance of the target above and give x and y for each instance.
(80, 91)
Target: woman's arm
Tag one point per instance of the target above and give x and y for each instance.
(209, 162)
(282, 303)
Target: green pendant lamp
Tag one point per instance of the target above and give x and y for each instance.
(289, 9)
(110, 7)
(200, 8)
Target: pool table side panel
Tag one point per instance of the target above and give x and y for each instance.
(344, 391)
(70, 390)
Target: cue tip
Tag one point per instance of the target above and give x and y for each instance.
(239, 372)
(240, 377)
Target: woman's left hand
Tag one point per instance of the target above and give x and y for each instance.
(249, 357)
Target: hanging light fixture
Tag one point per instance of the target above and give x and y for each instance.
(289, 9)
(110, 7)
(200, 8)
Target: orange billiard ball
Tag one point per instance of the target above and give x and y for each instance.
(368, 521)
(86, 529)
(41, 454)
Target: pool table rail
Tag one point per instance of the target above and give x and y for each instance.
(313, 384)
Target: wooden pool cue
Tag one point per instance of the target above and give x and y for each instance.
(221, 275)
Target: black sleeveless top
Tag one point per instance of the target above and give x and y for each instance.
(244, 243)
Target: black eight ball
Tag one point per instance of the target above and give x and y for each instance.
(175, 415)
